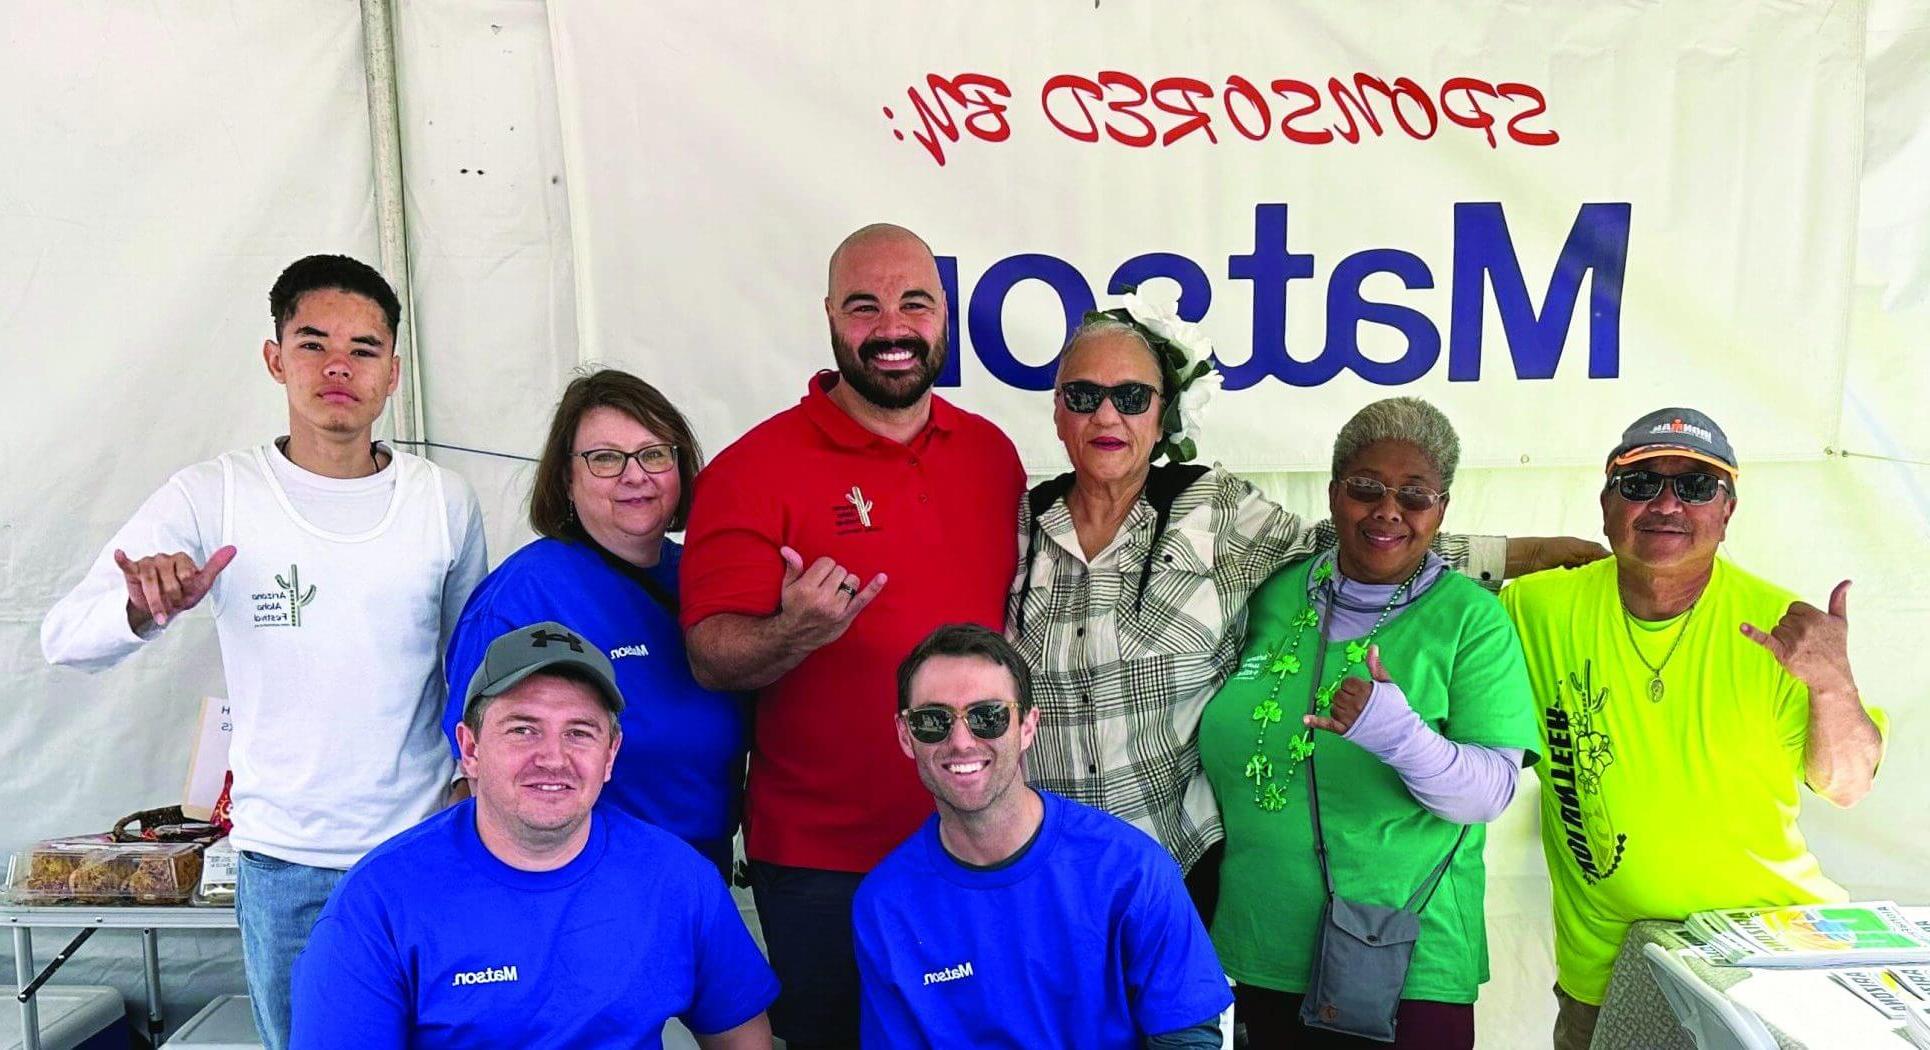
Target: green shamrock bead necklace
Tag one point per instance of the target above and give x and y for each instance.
(1283, 663)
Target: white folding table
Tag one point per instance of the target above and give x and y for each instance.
(90, 920)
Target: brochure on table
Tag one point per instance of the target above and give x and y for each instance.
(1874, 933)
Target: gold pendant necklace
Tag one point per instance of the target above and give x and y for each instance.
(1655, 670)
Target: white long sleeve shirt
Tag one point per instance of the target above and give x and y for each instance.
(332, 620)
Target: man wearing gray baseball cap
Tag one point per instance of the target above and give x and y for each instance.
(524, 916)
(1677, 731)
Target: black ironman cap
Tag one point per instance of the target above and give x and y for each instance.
(1675, 432)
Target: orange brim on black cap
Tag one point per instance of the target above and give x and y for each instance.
(1642, 452)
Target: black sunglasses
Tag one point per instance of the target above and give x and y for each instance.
(1085, 397)
(987, 720)
(1411, 497)
(1694, 488)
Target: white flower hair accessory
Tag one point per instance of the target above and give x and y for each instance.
(1187, 370)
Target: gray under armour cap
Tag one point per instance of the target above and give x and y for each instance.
(547, 646)
(1675, 432)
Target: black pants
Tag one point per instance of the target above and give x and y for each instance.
(1273, 1021)
(806, 915)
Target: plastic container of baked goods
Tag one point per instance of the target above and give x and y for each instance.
(87, 871)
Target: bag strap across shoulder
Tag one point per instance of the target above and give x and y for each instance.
(1417, 902)
(1313, 785)
(1164, 483)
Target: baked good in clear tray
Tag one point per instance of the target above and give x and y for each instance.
(92, 871)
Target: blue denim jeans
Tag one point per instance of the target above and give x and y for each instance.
(276, 904)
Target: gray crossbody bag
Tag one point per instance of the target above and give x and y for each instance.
(1361, 957)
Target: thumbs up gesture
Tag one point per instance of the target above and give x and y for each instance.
(1812, 645)
(161, 585)
(1352, 696)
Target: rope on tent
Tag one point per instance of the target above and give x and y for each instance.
(462, 448)
(1846, 453)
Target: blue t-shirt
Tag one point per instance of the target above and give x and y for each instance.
(1087, 940)
(681, 766)
(431, 941)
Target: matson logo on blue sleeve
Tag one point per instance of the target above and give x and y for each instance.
(1595, 252)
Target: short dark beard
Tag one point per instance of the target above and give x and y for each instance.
(895, 393)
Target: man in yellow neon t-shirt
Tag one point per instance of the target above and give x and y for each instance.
(1677, 732)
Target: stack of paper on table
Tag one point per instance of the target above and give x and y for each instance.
(1916, 1024)
(1891, 991)
(1864, 934)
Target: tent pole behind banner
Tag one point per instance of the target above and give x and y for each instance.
(378, 52)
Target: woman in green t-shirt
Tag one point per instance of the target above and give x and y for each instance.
(1420, 711)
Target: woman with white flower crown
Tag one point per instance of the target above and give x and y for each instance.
(1130, 600)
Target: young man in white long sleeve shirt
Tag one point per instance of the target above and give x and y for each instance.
(335, 567)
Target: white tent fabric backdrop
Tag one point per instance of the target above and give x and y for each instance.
(167, 161)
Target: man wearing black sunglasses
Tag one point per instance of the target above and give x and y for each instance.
(1015, 917)
(1677, 731)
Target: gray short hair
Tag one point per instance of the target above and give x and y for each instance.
(1099, 326)
(1408, 419)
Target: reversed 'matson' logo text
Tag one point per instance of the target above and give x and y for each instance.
(949, 973)
(486, 975)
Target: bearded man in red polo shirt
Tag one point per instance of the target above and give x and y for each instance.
(822, 547)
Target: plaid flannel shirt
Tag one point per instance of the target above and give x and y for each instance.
(1120, 678)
